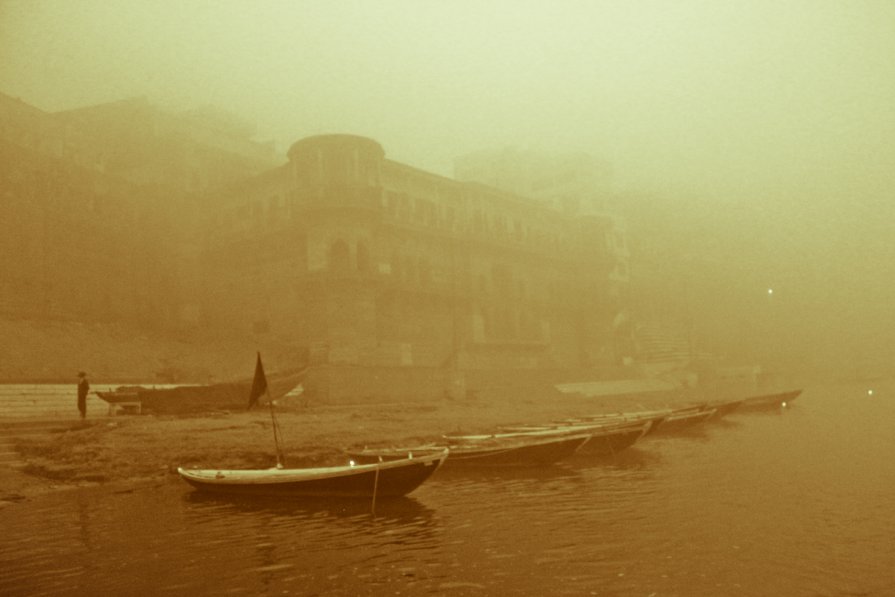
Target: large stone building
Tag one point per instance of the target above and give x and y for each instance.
(102, 204)
(390, 280)
(380, 273)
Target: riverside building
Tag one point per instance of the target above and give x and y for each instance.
(393, 281)
(102, 205)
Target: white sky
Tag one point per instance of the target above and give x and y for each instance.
(725, 98)
(787, 106)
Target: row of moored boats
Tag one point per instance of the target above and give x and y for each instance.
(398, 470)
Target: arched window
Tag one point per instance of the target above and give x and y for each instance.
(339, 256)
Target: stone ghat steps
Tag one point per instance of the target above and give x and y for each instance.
(25, 402)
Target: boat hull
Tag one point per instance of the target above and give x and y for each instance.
(515, 452)
(769, 401)
(722, 409)
(203, 398)
(684, 420)
(612, 442)
(113, 398)
(386, 479)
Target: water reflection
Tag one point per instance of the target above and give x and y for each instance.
(638, 457)
(493, 474)
(396, 509)
(798, 503)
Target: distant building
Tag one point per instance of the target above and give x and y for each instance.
(389, 279)
(101, 207)
(372, 265)
(575, 184)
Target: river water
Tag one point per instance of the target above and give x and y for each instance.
(800, 502)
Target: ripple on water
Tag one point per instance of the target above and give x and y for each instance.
(798, 503)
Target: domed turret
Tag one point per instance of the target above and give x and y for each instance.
(336, 161)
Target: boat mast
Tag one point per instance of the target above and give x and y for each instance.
(259, 387)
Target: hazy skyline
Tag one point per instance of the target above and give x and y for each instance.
(785, 110)
(727, 99)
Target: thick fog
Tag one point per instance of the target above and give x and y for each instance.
(773, 122)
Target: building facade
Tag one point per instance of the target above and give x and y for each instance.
(102, 205)
(362, 262)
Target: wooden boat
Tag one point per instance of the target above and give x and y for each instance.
(192, 399)
(127, 400)
(684, 418)
(517, 452)
(381, 479)
(119, 396)
(773, 401)
(610, 442)
(722, 409)
(654, 417)
(606, 438)
(598, 423)
(531, 432)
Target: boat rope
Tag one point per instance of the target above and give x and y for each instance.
(276, 432)
(375, 486)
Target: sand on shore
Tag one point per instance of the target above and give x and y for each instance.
(146, 448)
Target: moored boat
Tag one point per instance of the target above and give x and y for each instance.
(684, 418)
(772, 401)
(610, 442)
(380, 479)
(516, 451)
(198, 398)
(548, 430)
(119, 396)
(654, 417)
(125, 400)
(722, 409)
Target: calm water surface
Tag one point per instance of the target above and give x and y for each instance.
(796, 503)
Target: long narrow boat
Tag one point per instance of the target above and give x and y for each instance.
(588, 424)
(773, 401)
(531, 432)
(200, 398)
(516, 452)
(519, 452)
(119, 396)
(722, 409)
(607, 438)
(634, 418)
(685, 418)
(381, 479)
(610, 442)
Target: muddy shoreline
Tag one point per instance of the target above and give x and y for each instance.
(130, 451)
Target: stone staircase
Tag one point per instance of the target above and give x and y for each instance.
(46, 401)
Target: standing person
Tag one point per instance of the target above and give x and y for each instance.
(83, 388)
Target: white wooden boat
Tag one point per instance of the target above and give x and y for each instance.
(381, 479)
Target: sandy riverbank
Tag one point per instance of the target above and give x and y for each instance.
(132, 450)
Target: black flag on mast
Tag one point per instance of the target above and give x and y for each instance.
(259, 384)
